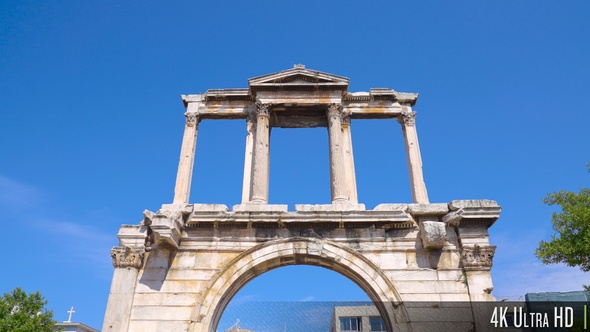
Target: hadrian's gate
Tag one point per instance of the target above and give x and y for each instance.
(179, 268)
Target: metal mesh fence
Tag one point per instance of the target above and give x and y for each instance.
(407, 316)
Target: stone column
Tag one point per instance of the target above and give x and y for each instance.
(337, 164)
(408, 121)
(348, 158)
(187, 158)
(261, 164)
(127, 258)
(248, 159)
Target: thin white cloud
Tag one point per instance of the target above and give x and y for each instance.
(535, 278)
(517, 271)
(15, 195)
(76, 231)
(239, 298)
(85, 245)
(308, 298)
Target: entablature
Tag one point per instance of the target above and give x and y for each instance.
(298, 89)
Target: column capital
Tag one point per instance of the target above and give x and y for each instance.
(127, 257)
(407, 118)
(345, 115)
(192, 119)
(335, 109)
(263, 109)
(477, 257)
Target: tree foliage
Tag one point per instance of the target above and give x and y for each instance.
(571, 243)
(20, 312)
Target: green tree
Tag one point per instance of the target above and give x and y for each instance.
(20, 312)
(571, 243)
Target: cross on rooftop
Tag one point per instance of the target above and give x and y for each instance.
(71, 312)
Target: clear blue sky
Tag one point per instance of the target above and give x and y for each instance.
(91, 123)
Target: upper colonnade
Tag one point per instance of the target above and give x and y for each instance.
(192, 259)
(299, 98)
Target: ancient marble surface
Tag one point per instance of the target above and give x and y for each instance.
(177, 269)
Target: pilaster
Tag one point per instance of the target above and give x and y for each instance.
(477, 263)
(128, 258)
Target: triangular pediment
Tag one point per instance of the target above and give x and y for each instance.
(300, 77)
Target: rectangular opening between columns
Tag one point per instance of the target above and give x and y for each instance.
(299, 166)
(219, 162)
(380, 162)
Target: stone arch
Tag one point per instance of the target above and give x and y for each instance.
(297, 251)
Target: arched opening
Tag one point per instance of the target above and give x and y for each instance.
(297, 251)
(292, 298)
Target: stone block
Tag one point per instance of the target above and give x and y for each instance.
(209, 208)
(182, 208)
(180, 325)
(165, 299)
(260, 208)
(428, 209)
(430, 287)
(415, 275)
(472, 203)
(132, 236)
(429, 326)
(416, 286)
(433, 234)
(391, 207)
(421, 298)
(449, 259)
(435, 312)
(184, 259)
(452, 275)
(329, 207)
(161, 313)
(454, 297)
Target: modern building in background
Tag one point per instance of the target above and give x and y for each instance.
(75, 327)
(356, 318)
(69, 326)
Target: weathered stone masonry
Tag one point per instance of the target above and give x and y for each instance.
(180, 267)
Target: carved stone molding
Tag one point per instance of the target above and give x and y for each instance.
(166, 225)
(263, 109)
(478, 257)
(127, 257)
(407, 118)
(192, 119)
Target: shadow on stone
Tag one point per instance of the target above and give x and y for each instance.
(156, 268)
